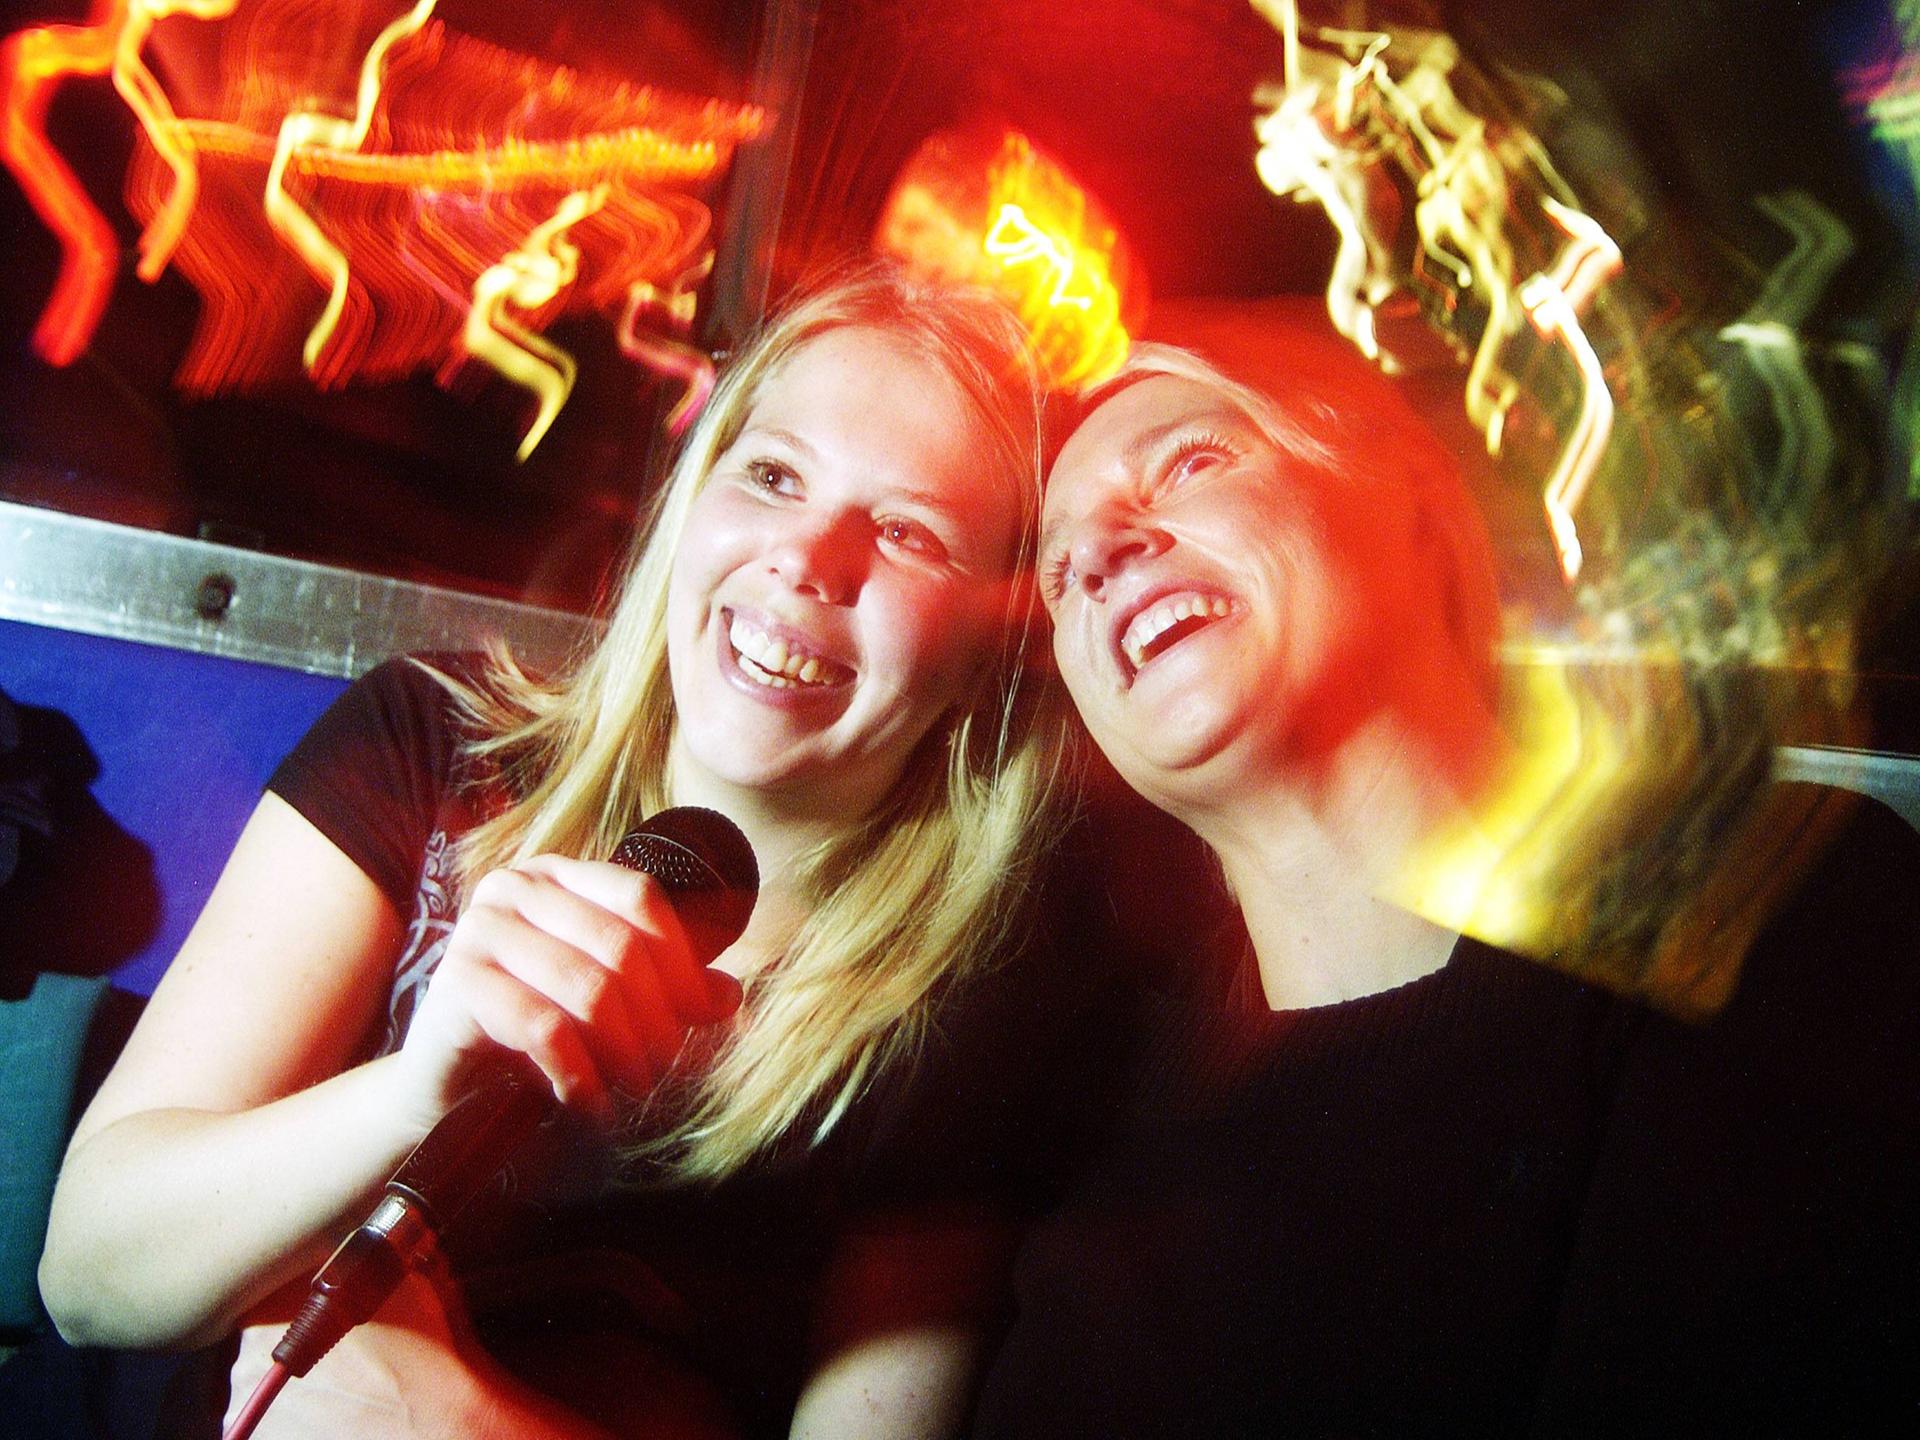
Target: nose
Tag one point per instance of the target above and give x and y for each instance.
(1106, 542)
(824, 556)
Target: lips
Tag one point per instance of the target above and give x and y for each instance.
(779, 657)
(1163, 618)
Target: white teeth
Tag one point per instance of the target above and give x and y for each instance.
(771, 662)
(1150, 625)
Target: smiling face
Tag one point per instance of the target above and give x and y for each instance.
(840, 582)
(1204, 589)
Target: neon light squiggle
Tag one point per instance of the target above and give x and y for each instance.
(990, 210)
(526, 279)
(33, 63)
(1361, 110)
(304, 129)
(1553, 303)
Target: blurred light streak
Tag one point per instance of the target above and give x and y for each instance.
(1769, 333)
(33, 63)
(667, 355)
(442, 154)
(1886, 95)
(526, 279)
(1490, 874)
(1360, 112)
(303, 129)
(149, 103)
(1711, 419)
(991, 210)
(1553, 301)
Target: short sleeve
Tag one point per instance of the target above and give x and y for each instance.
(372, 773)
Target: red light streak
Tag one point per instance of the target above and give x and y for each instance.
(445, 154)
(33, 63)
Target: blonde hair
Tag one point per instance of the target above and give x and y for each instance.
(922, 894)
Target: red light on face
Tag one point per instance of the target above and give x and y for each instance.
(987, 208)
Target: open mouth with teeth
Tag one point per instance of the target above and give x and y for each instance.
(780, 664)
(1160, 626)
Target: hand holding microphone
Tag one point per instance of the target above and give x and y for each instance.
(563, 978)
(593, 970)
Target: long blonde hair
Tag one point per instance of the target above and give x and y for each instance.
(921, 895)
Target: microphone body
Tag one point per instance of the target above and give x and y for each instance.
(703, 861)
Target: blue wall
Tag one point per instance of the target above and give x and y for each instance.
(183, 744)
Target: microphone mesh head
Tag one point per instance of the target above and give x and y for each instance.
(702, 859)
(691, 848)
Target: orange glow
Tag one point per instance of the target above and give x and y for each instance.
(32, 65)
(400, 185)
(993, 211)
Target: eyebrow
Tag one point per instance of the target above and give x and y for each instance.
(774, 432)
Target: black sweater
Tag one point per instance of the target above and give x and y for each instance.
(1352, 1219)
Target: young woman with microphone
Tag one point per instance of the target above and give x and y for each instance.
(821, 637)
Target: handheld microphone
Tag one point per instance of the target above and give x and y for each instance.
(703, 861)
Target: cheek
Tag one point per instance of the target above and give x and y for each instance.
(1073, 657)
(940, 637)
(711, 534)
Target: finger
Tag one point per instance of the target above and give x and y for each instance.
(570, 953)
(698, 994)
(609, 981)
(517, 1017)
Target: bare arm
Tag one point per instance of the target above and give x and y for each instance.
(905, 1308)
(211, 1166)
(226, 1150)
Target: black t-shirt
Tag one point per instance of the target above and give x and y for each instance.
(724, 1274)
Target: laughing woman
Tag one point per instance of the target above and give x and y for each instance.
(1342, 1180)
(822, 638)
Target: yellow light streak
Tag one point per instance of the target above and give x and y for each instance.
(304, 128)
(154, 111)
(526, 279)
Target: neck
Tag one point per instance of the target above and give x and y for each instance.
(1308, 864)
(782, 836)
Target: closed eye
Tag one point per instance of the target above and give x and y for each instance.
(1056, 578)
(1195, 456)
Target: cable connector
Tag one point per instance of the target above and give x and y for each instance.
(355, 1282)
